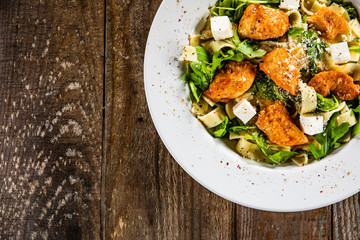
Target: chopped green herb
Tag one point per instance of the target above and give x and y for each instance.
(247, 47)
(327, 104)
(296, 32)
(275, 157)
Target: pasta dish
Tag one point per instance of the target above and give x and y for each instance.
(277, 79)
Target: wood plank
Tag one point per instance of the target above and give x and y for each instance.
(148, 196)
(255, 224)
(346, 219)
(51, 97)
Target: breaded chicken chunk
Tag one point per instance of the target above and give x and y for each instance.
(282, 68)
(328, 23)
(276, 123)
(232, 81)
(338, 83)
(260, 23)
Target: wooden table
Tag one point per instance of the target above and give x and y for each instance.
(79, 155)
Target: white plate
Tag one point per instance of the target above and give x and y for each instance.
(208, 160)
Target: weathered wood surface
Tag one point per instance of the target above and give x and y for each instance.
(148, 196)
(73, 169)
(51, 102)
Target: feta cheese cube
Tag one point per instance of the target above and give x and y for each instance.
(244, 110)
(189, 54)
(221, 27)
(289, 4)
(312, 124)
(340, 52)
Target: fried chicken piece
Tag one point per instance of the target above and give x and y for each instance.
(232, 81)
(282, 68)
(276, 123)
(328, 23)
(260, 23)
(338, 83)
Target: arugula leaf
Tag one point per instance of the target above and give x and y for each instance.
(356, 128)
(274, 156)
(194, 91)
(202, 54)
(247, 47)
(280, 156)
(221, 129)
(327, 104)
(338, 132)
(237, 125)
(296, 32)
(328, 139)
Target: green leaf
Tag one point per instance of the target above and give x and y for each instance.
(328, 139)
(296, 32)
(304, 18)
(356, 128)
(281, 156)
(194, 91)
(274, 156)
(327, 104)
(221, 130)
(216, 62)
(317, 153)
(338, 132)
(233, 56)
(247, 47)
(202, 54)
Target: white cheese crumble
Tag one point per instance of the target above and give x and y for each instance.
(244, 110)
(312, 124)
(221, 27)
(340, 52)
(289, 4)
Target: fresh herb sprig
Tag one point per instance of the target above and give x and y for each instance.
(227, 126)
(247, 47)
(329, 138)
(327, 104)
(274, 156)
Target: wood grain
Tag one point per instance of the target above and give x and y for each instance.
(79, 155)
(148, 196)
(51, 97)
